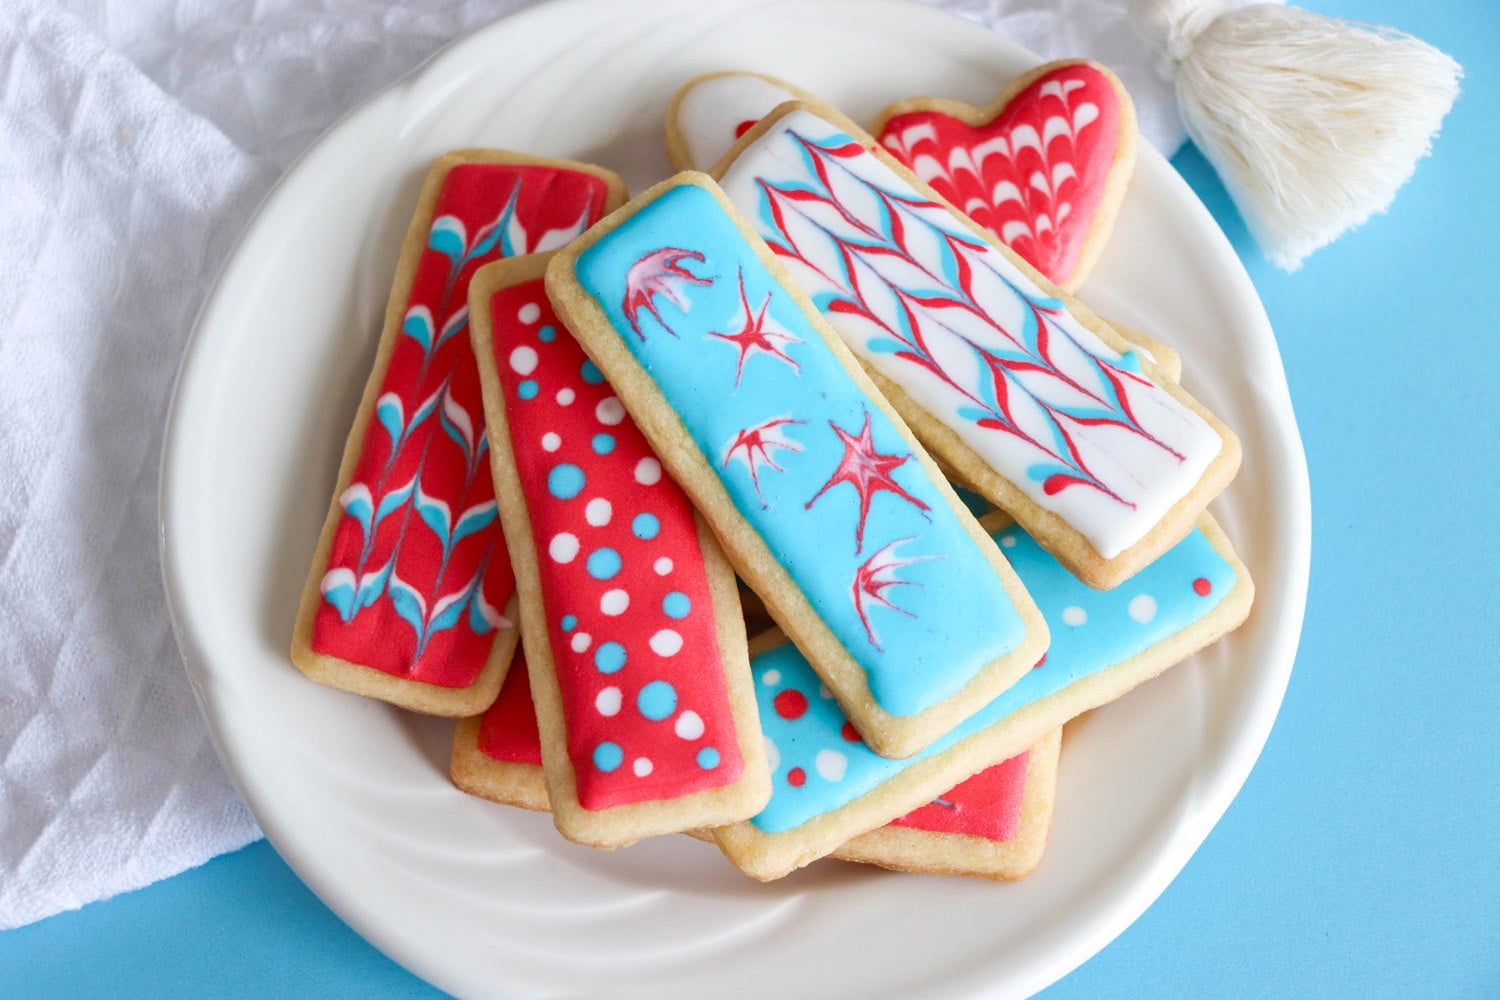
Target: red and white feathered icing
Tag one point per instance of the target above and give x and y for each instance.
(1035, 174)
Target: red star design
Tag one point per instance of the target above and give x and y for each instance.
(869, 472)
(878, 575)
(754, 335)
(659, 273)
(756, 443)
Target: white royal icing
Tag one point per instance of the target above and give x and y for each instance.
(712, 109)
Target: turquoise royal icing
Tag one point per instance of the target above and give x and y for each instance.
(817, 768)
(809, 461)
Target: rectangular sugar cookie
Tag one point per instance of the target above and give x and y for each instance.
(498, 755)
(1012, 383)
(828, 788)
(630, 613)
(403, 601)
(993, 825)
(823, 500)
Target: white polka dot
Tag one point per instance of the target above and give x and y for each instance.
(689, 725)
(648, 472)
(530, 313)
(551, 442)
(523, 360)
(663, 566)
(598, 512)
(831, 765)
(666, 643)
(614, 602)
(642, 766)
(1142, 608)
(608, 701)
(771, 677)
(773, 756)
(1074, 615)
(609, 411)
(565, 397)
(581, 641)
(1009, 541)
(563, 548)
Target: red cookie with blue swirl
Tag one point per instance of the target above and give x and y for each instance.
(823, 500)
(630, 614)
(408, 596)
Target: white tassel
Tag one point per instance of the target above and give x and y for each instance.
(1313, 123)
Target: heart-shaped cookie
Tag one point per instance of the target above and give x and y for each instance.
(1043, 167)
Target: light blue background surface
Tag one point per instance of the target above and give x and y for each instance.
(1362, 857)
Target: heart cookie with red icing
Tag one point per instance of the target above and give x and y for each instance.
(1044, 167)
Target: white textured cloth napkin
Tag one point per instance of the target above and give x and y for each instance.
(136, 137)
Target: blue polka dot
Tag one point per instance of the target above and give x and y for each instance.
(645, 526)
(547, 334)
(657, 700)
(608, 756)
(676, 605)
(609, 657)
(591, 373)
(565, 481)
(528, 389)
(603, 444)
(569, 623)
(603, 564)
(708, 758)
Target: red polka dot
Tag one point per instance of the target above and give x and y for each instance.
(796, 777)
(791, 704)
(744, 127)
(850, 733)
(1202, 587)
(1039, 663)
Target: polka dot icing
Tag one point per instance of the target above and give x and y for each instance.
(608, 756)
(608, 701)
(657, 700)
(565, 481)
(610, 657)
(569, 622)
(604, 564)
(1142, 608)
(523, 360)
(831, 764)
(563, 548)
(547, 334)
(1074, 615)
(609, 411)
(639, 670)
(645, 527)
(529, 314)
(689, 725)
(666, 642)
(598, 512)
(528, 389)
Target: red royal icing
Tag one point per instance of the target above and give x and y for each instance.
(507, 731)
(1035, 174)
(431, 569)
(629, 615)
(987, 805)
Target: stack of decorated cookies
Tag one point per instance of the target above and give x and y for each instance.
(588, 415)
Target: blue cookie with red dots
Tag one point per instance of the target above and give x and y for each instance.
(828, 786)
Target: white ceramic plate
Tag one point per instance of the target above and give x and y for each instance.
(484, 900)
